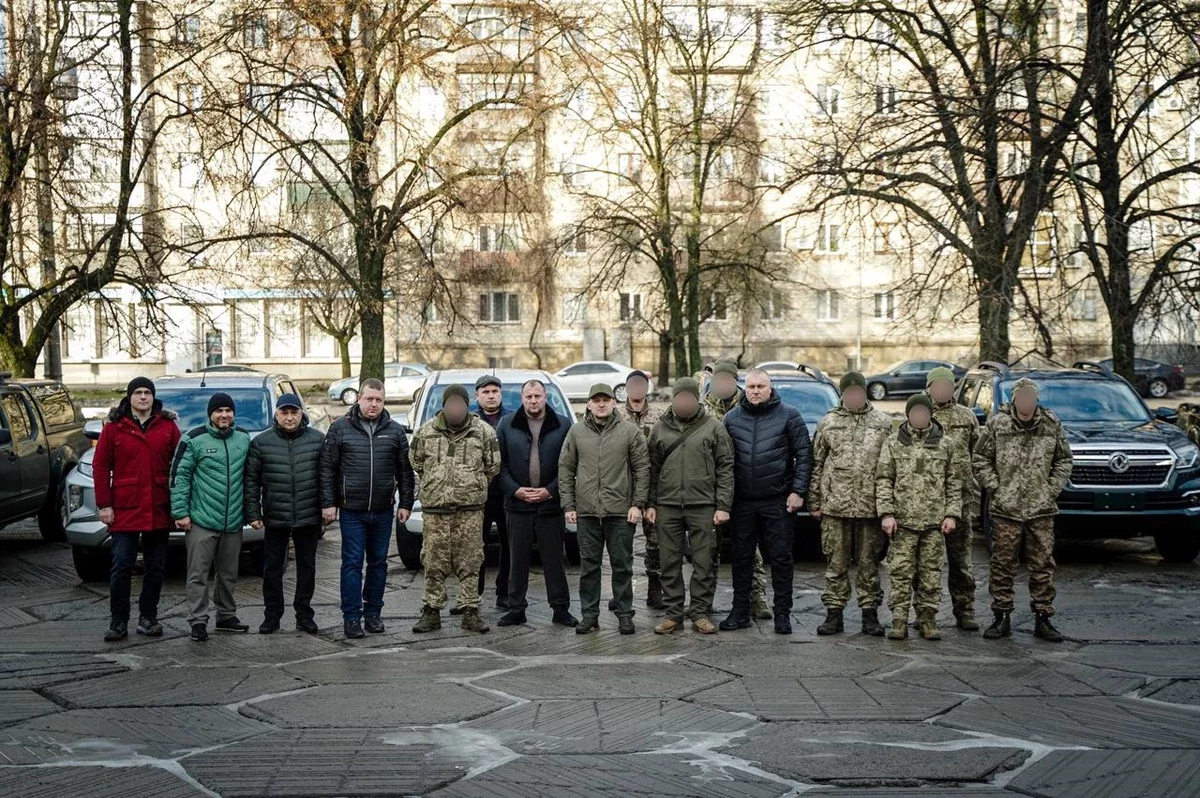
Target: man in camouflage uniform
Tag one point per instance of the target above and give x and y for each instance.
(842, 498)
(637, 410)
(961, 431)
(918, 495)
(1023, 461)
(724, 395)
(455, 455)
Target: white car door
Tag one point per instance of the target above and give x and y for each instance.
(576, 379)
(409, 381)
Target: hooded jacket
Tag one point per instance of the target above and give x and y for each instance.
(281, 484)
(845, 454)
(919, 478)
(1023, 465)
(772, 451)
(455, 466)
(699, 472)
(206, 478)
(362, 472)
(132, 468)
(604, 468)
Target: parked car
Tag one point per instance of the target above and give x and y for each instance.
(1153, 378)
(400, 382)
(41, 440)
(777, 365)
(1135, 472)
(577, 378)
(426, 405)
(230, 368)
(254, 395)
(906, 378)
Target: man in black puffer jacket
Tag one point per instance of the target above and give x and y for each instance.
(281, 493)
(772, 465)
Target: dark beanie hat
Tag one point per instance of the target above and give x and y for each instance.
(852, 379)
(455, 390)
(139, 382)
(918, 400)
(219, 400)
(686, 385)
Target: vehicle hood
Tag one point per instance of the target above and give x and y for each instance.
(1107, 432)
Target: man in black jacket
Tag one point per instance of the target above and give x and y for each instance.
(489, 397)
(772, 465)
(530, 442)
(363, 463)
(281, 494)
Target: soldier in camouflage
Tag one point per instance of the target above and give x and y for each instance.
(724, 395)
(455, 455)
(637, 410)
(961, 431)
(842, 498)
(918, 495)
(1023, 461)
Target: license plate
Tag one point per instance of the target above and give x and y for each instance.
(1118, 501)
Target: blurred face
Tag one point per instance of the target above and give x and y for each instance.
(723, 385)
(222, 418)
(636, 389)
(942, 391)
(533, 399)
(1025, 403)
(601, 406)
(455, 410)
(854, 398)
(141, 400)
(919, 417)
(370, 403)
(288, 418)
(685, 405)
(488, 398)
(758, 388)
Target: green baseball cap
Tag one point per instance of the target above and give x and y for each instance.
(600, 389)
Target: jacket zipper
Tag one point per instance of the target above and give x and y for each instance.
(291, 459)
(371, 469)
(225, 526)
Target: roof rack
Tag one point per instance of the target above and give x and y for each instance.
(1088, 365)
(4, 375)
(812, 371)
(992, 365)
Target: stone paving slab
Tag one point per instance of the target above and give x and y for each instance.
(1112, 774)
(807, 658)
(18, 705)
(74, 637)
(165, 687)
(606, 680)
(30, 596)
(827, 698)
(1097, 722)
(14, 616)
(32, 671)
(410, 702)
(94, 782)
(1003, 678)
(1184, 691)
(607, 642)
(1181, 661)
(389, 667)
(243, 649)
(608, 726)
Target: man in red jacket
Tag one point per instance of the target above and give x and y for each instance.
(132, 468)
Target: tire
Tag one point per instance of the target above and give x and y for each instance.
(50, 520)
(619, 393)
(91, 565)
(409, 547)
(1158, 388)
(1178, 548)
(349, 397)
(877, 391)
(571, 546)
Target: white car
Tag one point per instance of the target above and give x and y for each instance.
(400, 381)
(577, 378)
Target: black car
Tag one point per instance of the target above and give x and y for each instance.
(1153, 378)
(906, 378)
(1135, 472)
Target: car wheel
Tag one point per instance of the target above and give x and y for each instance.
(571, 546)
(50, 520)
(349, 396)
(619, 393)
(409, 546)
(1158, 388)
(91, 565)
(1178, 547)
(877, 391)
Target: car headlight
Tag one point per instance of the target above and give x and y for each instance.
(85, 469)
(1188, 455)
(74, 498)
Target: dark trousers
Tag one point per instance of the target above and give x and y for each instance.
(766, 525)
(596, 534)
(364, 535)
(275, 541)
(120, 576)
(493, 511)
(546, 527)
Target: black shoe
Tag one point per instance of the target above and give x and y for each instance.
(783, 624)
(512, 618)
(455, 610)
(587, 626)
(563, 617)
(117, 631)
(149, 628)
(1001, 627)
(502, 602)
(625, 625)
(833, 622)
(354, 630)
(734, 621)
(269, 626)
(870, 622)
(232, 625)
(373, 624)
(1045, 630)
(307, 625)
(199, 632)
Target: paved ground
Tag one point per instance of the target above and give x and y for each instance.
(539, 711)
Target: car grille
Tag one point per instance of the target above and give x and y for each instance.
(1144, 466)
(1136, 475)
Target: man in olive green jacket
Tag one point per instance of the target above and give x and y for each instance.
(603, 481)
(691, 494)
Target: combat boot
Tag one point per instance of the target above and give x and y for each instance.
(833, 622)
(966, 620)
(654, 596)
(760, 610)
(1045, 630)
(928, 626)
(899, 630)
(1001, 627)
(430, 621)
(471, 622)
(870, 622)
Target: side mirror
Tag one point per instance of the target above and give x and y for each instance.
(5, 437)
(1167, 414)
(980, 415)
(92, 429)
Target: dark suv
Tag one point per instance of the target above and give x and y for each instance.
(1135, 472)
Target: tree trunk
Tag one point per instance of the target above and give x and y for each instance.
(995, 302)
(372, 340)
(14, 355)
(343, 343)
(664, 358)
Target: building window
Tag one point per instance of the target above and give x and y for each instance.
(885, 100)
(771, 237)
(713, 307)
(190, 97)
(775, 307)
(187, 30)
(577, 243)
(258, 97)
(430, 313)
(254, 31)
(494, 238)
(499, 307)
(631, 307)
(1085, 304)
(770, 170)
(484, 22)
(497, 89)
(827, 305)
(885, 306)
(629, 164)
(829, 238)
(886, 234)
(829, 99)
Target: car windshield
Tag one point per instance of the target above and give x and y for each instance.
(1076, 403)
(252, 406)
(813, 399)
(511, 392)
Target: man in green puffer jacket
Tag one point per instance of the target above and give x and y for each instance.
(206, 503)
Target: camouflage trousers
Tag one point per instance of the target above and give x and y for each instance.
(1036, 538)
(758, 582)
(915, 560)
(961, 580)
(653, 558)
(452, 546)
(842, 538)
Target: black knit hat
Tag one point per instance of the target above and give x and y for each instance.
(686, 385)
(636, 374)
(219, 400)
(139, 382)
(852, 379)
(455, 390)
(918, 400)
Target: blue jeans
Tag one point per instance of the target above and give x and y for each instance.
(368, 534)
(124, 557)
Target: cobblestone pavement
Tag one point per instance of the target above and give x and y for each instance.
(540, 711)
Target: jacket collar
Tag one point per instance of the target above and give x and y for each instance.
(700, 415)
(521, 421)
(772, 402)
(842, 410)
(597, 424)
(356, 418)
(281, 432)
(931, 436)
(216, 433)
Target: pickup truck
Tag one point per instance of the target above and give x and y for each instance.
(41, 440)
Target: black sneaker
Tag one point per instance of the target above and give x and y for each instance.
(149, 628)
(735, 621)
(625, 625)
(307, 625)
(783, 624)
(373, 624)
(232, 624)
(354, 630)
(199, 632)
(563, 617)
(269, 626)
(512, 618)
(119, 630)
